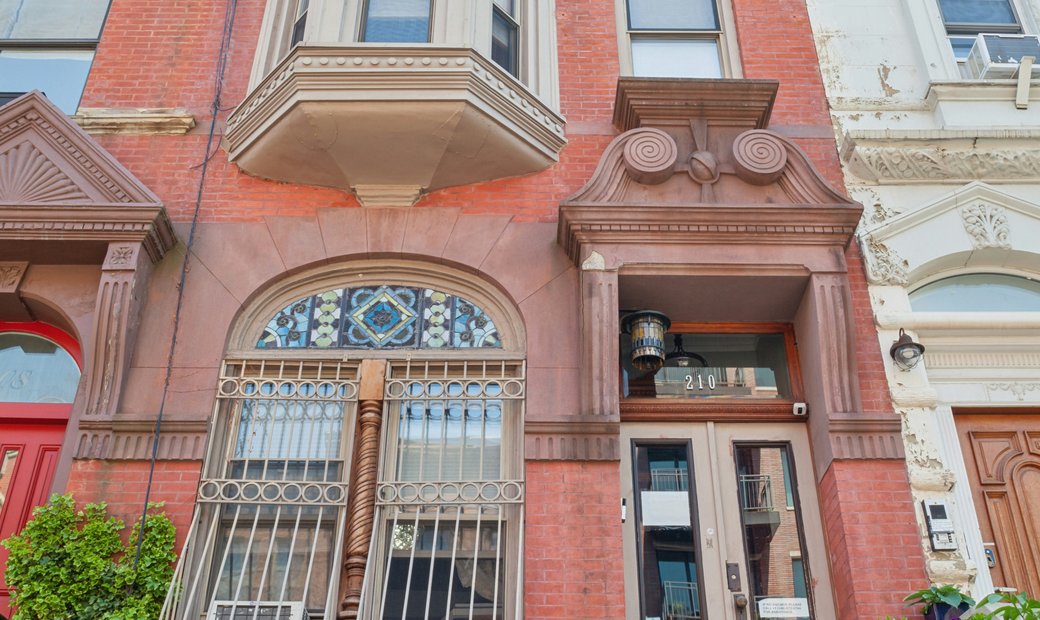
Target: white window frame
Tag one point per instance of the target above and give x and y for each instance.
(927, 21)
(725, 38)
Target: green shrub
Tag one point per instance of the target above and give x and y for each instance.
(73, 565)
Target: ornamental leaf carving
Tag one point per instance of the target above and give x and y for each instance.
(884, 265)
(936, 163)
(29, 176)
(987, 224)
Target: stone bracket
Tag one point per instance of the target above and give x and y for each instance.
(11, 305)
(123, 285)
(572, 441)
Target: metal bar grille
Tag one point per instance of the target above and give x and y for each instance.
(270, 516)
(450, 494)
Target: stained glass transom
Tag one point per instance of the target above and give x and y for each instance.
(380, 317)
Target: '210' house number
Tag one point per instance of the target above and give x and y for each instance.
(700, 382)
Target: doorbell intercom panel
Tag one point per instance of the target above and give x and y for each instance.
(940, 525)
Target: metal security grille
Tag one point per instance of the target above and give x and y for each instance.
(450, 496)
(270, 516)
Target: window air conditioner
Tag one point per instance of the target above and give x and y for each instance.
(256, 610)
(996, 56)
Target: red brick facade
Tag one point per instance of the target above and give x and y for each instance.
(163, 54)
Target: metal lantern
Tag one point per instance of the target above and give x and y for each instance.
(647, 329)
(681, 357)
(906, 352)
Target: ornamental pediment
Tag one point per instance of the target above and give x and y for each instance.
(976, 225)
(57, 183)
(696, 163)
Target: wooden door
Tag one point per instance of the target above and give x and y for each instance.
(1002, 456)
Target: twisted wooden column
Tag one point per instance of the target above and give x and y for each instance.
(362, 506)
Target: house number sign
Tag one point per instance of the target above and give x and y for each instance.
(700, 382)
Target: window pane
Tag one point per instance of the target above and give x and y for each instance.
(51, 19)
(504, 42)
(977, 11)
(658, 57)
(60, 74)
(509, 6)
(672, 15)
(668, 550)
(449, 439)
(746, 366)
(397, 21)
(961, 46)
(7, 461)
(987, 292)
(772, 532)
(35, 370)
(445, 563)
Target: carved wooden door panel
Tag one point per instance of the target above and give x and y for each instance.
(1002, 455)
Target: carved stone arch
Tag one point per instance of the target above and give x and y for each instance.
(1023, 265)
(393, 272)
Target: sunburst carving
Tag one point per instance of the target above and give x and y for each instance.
(28, 176)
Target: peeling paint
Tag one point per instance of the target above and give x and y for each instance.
(883, 73)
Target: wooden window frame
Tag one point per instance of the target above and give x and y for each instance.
(638, 409)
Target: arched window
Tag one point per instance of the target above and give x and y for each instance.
(979, 292)
(399, 388)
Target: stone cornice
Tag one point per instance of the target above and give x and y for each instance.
(133, 439)
(663, 101)
(154, 121)
(147, 224)
(928, 156)
(704, 224)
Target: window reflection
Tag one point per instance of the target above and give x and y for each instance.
(772, 533)
(668, 557)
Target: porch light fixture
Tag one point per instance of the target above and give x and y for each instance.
(906, 353)
(682, 358)
(647, 329)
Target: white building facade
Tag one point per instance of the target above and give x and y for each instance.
(942, 146)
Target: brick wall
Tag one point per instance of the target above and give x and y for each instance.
(874, 546)
(573, 566)
(122, 484)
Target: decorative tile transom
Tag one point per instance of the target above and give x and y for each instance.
(373, 317)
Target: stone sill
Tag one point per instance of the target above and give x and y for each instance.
(140, 121)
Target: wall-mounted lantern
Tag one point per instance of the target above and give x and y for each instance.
(647, 329)
(906, 353)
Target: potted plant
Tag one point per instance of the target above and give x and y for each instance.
(940, 602)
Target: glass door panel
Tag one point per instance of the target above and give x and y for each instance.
(722, 522)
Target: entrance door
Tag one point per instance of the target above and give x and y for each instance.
(722, 523)
(1002, 457)
(39, 373)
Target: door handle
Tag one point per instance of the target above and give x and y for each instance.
(740, 603)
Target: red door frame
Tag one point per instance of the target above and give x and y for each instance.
(33, 422)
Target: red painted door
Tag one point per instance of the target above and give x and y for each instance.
(39, 372)
(28, 456)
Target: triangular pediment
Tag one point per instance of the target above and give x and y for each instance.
(59, 186)
(975, 226)
(46, 159)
